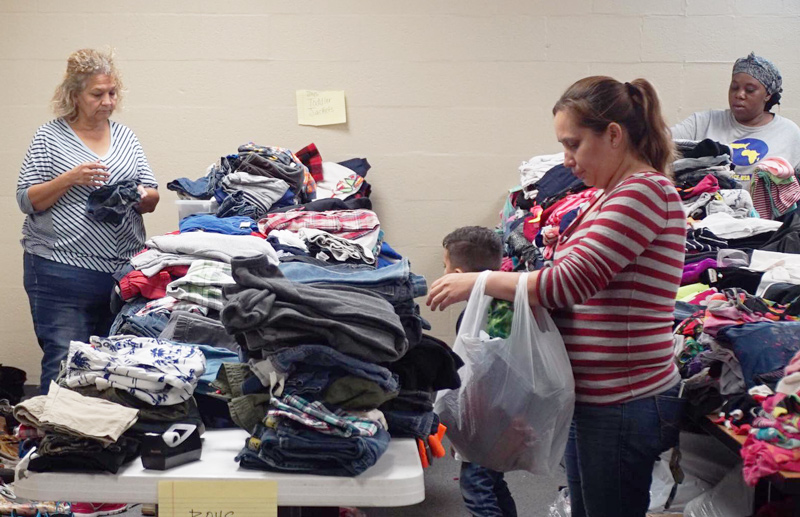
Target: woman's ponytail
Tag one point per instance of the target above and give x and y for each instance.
(655, 142)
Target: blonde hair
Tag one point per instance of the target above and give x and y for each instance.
(81, 65)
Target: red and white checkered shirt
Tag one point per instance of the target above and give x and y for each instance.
(348, 224)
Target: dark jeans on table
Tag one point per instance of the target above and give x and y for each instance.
(411, 424)
(67, 303)
(292, 448)
(319, 357)
(485, 492)
(611, 452)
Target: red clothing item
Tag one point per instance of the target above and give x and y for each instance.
(708, 184)
(311, 158)
(136, 283)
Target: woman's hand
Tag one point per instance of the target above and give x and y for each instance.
(450, 289)
(88, 173)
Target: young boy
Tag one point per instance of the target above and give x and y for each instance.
(474, 249)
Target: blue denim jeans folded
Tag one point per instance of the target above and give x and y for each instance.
(400, 291)
(150, 325)
(67, 303)
(188, 327)
(129, 309)
(611, 452)
(485, 492)
(410, 424)
(235, 205)
(234, 225)
(288, 359)
(194, 188)
(761, 347)
(215, 356)
(291, 448)
(309, 273)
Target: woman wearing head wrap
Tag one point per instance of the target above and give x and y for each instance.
(749, 127)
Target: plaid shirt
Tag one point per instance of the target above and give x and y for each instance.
(202, 283)
(316, 416)
(348, 224)
(311, 158)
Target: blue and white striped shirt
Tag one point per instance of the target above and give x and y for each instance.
(63, 232)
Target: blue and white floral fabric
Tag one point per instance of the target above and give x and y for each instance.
(159, 372)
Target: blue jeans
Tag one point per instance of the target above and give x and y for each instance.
(67, 303)
(411, 424)
(611, 452)
(325, 358)
(291, 448)
(309, 273)
(485, 492)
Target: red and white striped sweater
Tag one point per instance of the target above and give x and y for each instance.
(613, 286)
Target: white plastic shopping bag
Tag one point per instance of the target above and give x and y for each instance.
(514, 407)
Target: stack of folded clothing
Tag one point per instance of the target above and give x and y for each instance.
(80, 433)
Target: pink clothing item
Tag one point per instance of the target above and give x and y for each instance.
(772, 199)
(762, 459)
(708, 184)
(776, 166)
(722, 312)
(532, 223)
(507, 264)
(556, 212)
(701, 298)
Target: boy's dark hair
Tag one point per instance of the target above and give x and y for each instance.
(474, 248)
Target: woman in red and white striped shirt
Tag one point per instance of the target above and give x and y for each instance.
(612, 288)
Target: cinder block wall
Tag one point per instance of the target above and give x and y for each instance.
(445, 98)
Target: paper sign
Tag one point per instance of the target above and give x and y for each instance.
(320, 108)
(245, 498)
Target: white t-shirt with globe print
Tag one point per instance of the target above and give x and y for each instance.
(749, 145)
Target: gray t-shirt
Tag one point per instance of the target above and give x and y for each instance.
(749, 145)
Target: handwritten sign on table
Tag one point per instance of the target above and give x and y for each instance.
(318, 108)
(245, 498)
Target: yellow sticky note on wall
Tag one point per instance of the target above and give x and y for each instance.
(245, 498)
(320, 108)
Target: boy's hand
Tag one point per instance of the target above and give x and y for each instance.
(450, 289)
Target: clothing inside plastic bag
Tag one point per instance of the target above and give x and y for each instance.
(517, 395)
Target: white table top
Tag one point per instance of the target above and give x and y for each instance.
(395, 480)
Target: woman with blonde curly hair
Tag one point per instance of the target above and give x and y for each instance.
(70, 255)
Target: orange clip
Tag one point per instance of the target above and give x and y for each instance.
(423, 457)
(435, 442)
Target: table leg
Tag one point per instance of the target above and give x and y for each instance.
(761, 495)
